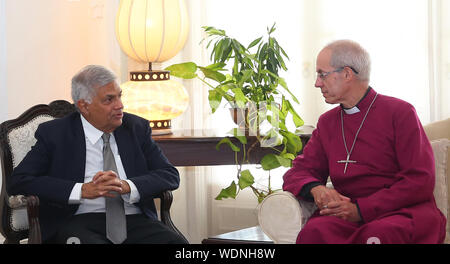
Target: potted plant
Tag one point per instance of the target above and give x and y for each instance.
(247, 78)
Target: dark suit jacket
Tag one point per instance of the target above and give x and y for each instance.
(57, 161)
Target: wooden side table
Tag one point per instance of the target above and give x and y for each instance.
(251, 235)
(198, 147)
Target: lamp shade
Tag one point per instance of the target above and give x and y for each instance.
(152, 30)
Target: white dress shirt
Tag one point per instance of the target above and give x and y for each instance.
(94, 164)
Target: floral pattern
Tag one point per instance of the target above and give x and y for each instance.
(21, 139)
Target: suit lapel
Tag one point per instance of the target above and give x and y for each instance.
(78, 146)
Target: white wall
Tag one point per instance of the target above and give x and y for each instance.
(46, 42)
(3, 90)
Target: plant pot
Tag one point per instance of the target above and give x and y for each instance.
(248, 119)
(239, 116)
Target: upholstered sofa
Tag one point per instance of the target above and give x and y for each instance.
(281, 216)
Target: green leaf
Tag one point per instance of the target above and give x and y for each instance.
(294, 143)
(238, 47)
(284, 85)
(271, 140)
(226, 86)
(263, 52)
(278, 117)
(272, 29)
(229, 143)
(246, 74)
(246, 179)
(272, 161)
(214, 99)
(212, 74)
(284, 53)
(219, 50)
(211, 31)
(288, 156)
(216, 66)
(239, 134)
(298, 121)
(240, 98)
(254, 43)
(282, 82)
(229, 192)
(184, 70)
(261, 198)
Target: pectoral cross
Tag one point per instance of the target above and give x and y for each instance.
(347, 161)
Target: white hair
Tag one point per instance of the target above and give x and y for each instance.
(87, 80)
(351, 54)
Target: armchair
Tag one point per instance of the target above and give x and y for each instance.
(281, 216)
(19, 215)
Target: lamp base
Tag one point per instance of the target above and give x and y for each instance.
(161, 132)
(161, 127)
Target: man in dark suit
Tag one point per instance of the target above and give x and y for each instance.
(67, 169)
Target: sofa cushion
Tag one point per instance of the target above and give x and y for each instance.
(441, 149)
(437, 130)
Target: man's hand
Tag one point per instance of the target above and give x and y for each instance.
(106, 184)
(342, 209)
(323, 196)
(330, 202)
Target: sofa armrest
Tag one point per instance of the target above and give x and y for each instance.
(281, 216)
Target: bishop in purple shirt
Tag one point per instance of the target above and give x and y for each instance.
(377, 156)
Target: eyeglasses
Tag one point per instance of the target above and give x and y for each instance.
(323, 75)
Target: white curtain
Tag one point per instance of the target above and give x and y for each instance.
(409, 45)
(191, 201)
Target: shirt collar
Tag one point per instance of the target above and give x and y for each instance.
(92, 133)
(351, 111)
(355, 109)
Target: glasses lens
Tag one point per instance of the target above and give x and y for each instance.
(321, 75)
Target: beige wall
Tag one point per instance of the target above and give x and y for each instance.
(46, 42)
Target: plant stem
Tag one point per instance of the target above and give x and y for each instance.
(244, 156)
(205, 82)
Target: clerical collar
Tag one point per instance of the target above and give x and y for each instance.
(355, 109)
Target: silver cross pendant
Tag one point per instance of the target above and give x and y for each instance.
(347, 161)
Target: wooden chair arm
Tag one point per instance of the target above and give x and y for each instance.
(166, 201)
(33, 220)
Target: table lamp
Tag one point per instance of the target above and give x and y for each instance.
(153, 31)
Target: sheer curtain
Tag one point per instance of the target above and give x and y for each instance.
(409, 44)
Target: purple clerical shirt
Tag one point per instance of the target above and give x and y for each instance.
(394, 168)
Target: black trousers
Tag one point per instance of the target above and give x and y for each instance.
(90, 228)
